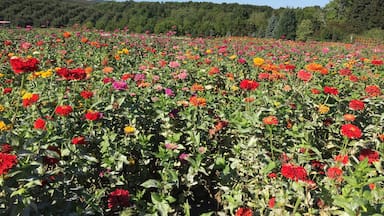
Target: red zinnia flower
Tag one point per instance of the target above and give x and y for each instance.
(30, 100)
(6, 148)
(53, 155)
(335, 173)
(290, 67)
(72, 74)
(20, 65)
(263, 76)
(373, 90)
(304, 75)
(377, 62)
(107, 80)
(39, 124)
(270, 120)
(118, 198)
(248, 84)
(7, 42)
(93, 115)
(370, 154)
(345, 72)
(244, 212)
(351, 131)
(331, 90)
(372, 186)
(327, 122)
(342, 159)
(63, 110)
(353, 78)
(272, 175)
(293, 172)
(79, 140)
(7, 90)
(7, 161)
(318, 166)
(356, 105)
(86, 94)
(315, 91)
(271, 202)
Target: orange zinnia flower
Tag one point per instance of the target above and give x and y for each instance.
(88, 70)
(381, 137)
(213, 71)
(107, 69)
(349, 117)
(66, 34)
(197, 87)
(249, 99)
(198, 101)
(270, 120)
(84, 40)
(314, 67)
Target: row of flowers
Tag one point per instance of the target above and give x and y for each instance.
(152, 124)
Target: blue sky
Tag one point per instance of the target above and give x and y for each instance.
(272, 3)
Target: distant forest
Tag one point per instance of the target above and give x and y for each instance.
(336, 21)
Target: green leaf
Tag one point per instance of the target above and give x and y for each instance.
(207, 214)
(187, 209)
(91, 159)
(151, 183)
(269, 167)
(374, 180)
(160, 204)
(18, 192)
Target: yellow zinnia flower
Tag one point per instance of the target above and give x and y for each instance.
(258, 61)
(234, 88)
(27, 96)
(4, 127)
(323, 109)
(233, 57)
(2, 108)
(125, 51)
(46, 74)
(129, 130)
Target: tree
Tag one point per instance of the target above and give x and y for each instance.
(287, 25)
(304, 30)
(270, 31)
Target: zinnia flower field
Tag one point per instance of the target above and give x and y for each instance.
(109, 123)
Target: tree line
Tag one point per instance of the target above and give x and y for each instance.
(336, 21)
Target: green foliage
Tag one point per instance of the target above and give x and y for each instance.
(304, 30)
(177, 155)
(375, 33)
(286, 27)
(366, 14)
(272, 27)
(336, 21)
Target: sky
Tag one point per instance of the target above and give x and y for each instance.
(272, 3)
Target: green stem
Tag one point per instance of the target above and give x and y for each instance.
(343, 150)
(271, 141)
(17, 100)
(298, 201)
